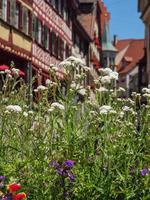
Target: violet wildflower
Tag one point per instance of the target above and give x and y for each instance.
(8, 197)
(54, 164)
(69, 163)
(144, 171)
(2, 178)
(71, 177)
(62, 172)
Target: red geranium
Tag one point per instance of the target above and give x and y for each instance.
(14, 187)
(19, 196)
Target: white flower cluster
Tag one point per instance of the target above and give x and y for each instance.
(41, 88)
(82, 91)
(105, 109)
(56, 105)
(126, 108)
(102, 89)
(14, 108)
(108, 75)
(146, 92)
(48, 82)
(75, 60)
(15, 71)
(121, 89)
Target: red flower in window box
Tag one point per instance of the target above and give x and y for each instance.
(14, 187)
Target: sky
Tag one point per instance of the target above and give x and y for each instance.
(125, 21)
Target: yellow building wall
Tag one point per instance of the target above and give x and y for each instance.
(21, 41)
(4, 32)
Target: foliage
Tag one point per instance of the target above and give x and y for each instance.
(105, 136)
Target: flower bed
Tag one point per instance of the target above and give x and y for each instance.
(73, 145)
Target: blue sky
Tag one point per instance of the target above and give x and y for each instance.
(124, 22)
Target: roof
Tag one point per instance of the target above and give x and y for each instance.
(130, 52)
(86, 21)
(105, 15)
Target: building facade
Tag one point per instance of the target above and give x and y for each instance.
(108, 50)
(38, 33)
(128, 62)
(144, 9)
(16, 33)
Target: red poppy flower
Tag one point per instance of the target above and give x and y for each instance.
(14, 187)
(19, 196)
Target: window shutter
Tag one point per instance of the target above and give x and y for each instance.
(36, 28)
(50, 42)
(20, 18)
(62, 50)
(12, 12)
(8, 11)
(4, 9)
(30, 23)
(53, 43)
(33, 26)
(56, 46)
(46, 37)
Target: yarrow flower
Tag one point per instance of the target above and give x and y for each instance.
(57, 105)
(75, 60)
(65, 63)
(126, 108)
(146, 90)
(42, 88)
(105, 109)
(14, 108)
(48, 82)
(102, 89)
(105, 79)
(15, 71)
(82, 91)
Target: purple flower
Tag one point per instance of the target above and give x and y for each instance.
(8, 197)
(54, 164)
(144, 172)
(71, 177)
(62, 172)
(69, 163)
(2, 178)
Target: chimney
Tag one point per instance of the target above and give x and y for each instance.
(115, 40)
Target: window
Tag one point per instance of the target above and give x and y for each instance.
(12, 12)
(34, 27)
(68, 15)
(25, 20)
(62, 8)
(39, 28)
(67, 51)
(46, 38)
(3, 9)
(54, 44)
(57, 4)
(62, 50)
(17, 15)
